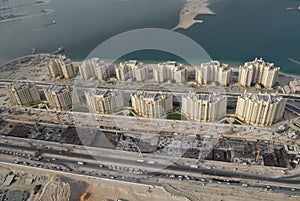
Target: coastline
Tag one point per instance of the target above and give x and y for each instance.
(190, 10)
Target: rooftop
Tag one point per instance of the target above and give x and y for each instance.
(295, 82)
(267, 97)
(58, 89)
(171, 64)
(105, 93)
(150, 96)
(212, 64)
(20, 85)
(260, 62)
(204, 97)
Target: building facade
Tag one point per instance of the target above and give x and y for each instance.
(94, 69)
(151, 105)
(23, 94)
(104, 101)
(295, 86)
(132, 69)
(58, 97)
(61, 67)
(213, 71)
(260, 109)
(170, 71)
(204, 107)
(258, 72)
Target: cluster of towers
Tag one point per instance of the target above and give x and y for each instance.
(27, 94)
(255, 109)
(251, 73)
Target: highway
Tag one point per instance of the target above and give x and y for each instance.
(143, 177)
(72, 157)
(292, 108)
(133, 88)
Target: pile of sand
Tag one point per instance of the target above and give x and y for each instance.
(62, 189)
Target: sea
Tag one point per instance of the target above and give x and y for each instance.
(240, 31)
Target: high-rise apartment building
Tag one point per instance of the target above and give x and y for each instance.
(132, 69)
(204, 107)
(151, 104)
(58, 97)
(61, 67)
(94, 68)
(258, 72)
(213, 71)
(260, 109)
(295, 86)
(170, 71)
(23, 94)
(104, 101)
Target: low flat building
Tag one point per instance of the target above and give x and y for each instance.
(151, 104)
(58, 97)
(204, 107)
(23, 94)
(104, 101)
(8, 180)
(260, 109)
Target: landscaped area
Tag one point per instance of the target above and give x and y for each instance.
(176, 116)
(81, 109)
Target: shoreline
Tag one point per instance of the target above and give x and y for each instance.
(149, 62)
(190, 10)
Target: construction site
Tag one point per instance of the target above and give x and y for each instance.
(188, 146)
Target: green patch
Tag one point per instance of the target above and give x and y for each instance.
(237, 123)
(176, 117)
(81, 109)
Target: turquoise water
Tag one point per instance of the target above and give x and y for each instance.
(241, 30)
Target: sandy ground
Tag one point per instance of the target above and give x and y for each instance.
(190, 11)
(33, 73)
(64, 187)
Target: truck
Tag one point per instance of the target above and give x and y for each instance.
(140, 161)
(80, 163)
(37, 158)
(151, 162)
(64, 149)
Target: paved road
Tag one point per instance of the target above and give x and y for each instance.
(293, 109)
(158, 166)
